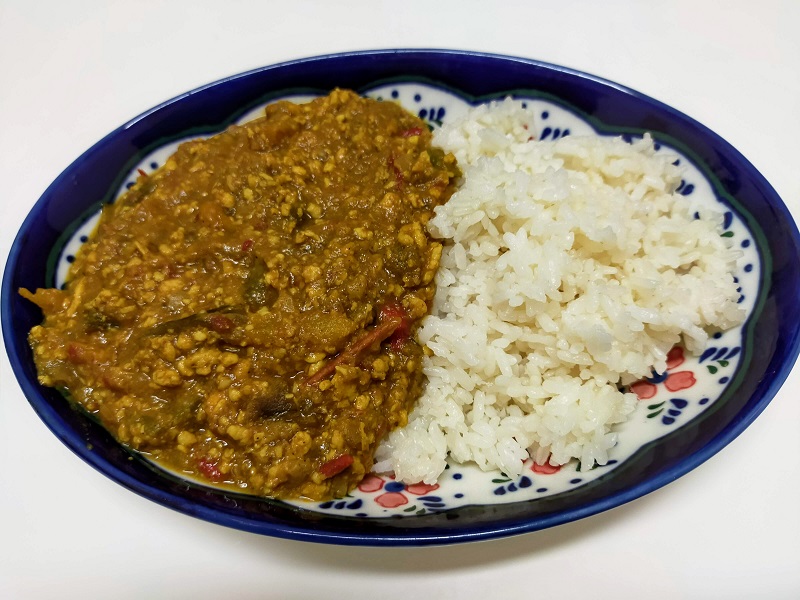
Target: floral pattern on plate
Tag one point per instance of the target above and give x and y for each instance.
(669, 400)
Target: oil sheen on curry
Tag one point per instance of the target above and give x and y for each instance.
(246, 313)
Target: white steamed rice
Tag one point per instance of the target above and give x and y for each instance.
(570, 267)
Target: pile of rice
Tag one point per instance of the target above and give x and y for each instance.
(570, 268)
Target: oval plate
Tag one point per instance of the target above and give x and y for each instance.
(754, 360)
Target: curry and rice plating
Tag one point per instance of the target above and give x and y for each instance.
(245, 314)
(252, 313)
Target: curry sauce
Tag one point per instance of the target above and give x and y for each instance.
(245, 314)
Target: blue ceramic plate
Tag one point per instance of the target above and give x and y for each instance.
(686, 415)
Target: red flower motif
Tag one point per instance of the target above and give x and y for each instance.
(673, 381)
(420, 489)
(680, 381)
(675, 358)
(391, 499)
(370, 483)
(643, 389)
(394, 497)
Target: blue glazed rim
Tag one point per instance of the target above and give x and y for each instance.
(94, 177)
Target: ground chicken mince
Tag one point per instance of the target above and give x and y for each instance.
(245, 314)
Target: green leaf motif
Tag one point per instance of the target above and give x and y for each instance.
(723, 363)
(655, 406)
(727, 234)
(655, 414)
(712, 369)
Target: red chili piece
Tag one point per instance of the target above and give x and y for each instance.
(398, 174)
(247, 245)
(393, 325)
(403, 331)
(78, 353)
(411, 132)
(336, 465)
(208, 469)
(220, 323)
(142, 172)
(383, 330)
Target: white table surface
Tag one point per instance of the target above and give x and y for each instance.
(72, 71)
